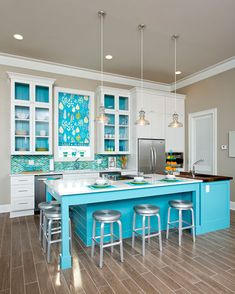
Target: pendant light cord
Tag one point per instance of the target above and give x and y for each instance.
(102, 49)
(175, 38)
(141, 28)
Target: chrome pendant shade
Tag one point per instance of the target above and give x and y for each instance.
(101, 118)
(142, 121)
(175, 122)
(175, 117)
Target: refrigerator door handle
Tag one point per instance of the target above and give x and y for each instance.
(151, 158)
(155, 159)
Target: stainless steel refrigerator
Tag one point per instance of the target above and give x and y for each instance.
(151, 156)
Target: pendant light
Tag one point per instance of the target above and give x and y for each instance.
(142, 121)
(102, 118)
(175, 117)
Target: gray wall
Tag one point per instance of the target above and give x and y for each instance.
(62, 81)
(215, 92)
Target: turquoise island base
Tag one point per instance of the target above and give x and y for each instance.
(211, 203)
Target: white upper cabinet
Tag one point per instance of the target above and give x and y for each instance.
(175, 138)
(154, 107)
(113, 137)
(159, 107)
(31, 114)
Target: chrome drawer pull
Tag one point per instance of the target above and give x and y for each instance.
(23, 203)
(23, 190)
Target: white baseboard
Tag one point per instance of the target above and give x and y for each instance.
(5, 208)
(232, 205)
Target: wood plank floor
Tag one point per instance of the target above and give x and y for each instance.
(206, 267)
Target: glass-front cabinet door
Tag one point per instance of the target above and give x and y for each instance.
(31, 114)
(21, 128)
(114, 136)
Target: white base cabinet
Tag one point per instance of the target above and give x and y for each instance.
(22, 196)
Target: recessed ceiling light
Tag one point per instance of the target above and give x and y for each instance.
(18, 37)
(108, 56)
(178, 72)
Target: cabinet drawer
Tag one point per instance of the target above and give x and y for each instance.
(22, 191)
(22, 180)
(23, 203)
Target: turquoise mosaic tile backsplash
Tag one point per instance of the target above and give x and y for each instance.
(19, 163)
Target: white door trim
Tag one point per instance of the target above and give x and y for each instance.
(212, 111)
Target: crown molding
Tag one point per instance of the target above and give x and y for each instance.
(62, 69)
(206, 73)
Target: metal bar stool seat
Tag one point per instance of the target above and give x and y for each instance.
(106, 217)
(51, 216)
(44, 206)
(180, 205)
(146, 210)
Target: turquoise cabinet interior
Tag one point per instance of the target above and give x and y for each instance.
(22, 91)
(31, 114)
(73, 125)
(123, 103)
(123, 120)
(42, 94)
(214, 206)
(113, 137)
(109, 101)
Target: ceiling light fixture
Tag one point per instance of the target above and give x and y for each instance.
(108, 57)
(18, 37)
(175, 117)
(142, 121)
(102, 118)
(178, 72)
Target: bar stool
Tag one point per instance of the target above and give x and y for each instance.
(106, 217)
(44, 206)
(146, 210)
(180, 205)
(51, 216)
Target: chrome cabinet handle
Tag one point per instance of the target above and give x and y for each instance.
(23, 203)
(23, 190)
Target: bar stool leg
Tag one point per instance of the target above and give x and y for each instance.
(193, 224)
(168, 222)
(111, 237)
(120, 238)
(101, 243)
(148, 230)
(143, 234)
(49, 241)
(44, 232)
(180, 226)
(133, 230)
(160, 232)
(93, 238)
(40, 226)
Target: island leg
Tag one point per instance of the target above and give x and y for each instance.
(65, 257)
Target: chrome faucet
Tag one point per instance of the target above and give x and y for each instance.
(193, 167)
(76, 162)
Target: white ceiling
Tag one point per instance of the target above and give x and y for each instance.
(67, 31)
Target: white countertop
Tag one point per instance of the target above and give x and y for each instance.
(73, 186)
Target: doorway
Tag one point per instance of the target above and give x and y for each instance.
(203, 141)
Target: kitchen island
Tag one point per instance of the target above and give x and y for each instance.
(210, 201)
